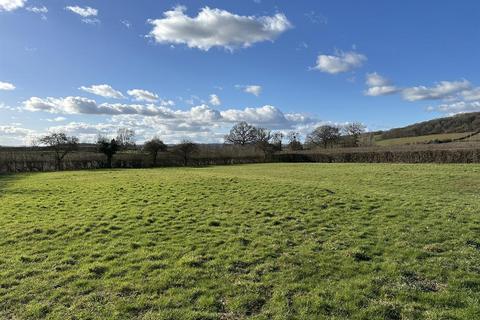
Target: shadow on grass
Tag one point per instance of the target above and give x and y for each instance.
(8, 178)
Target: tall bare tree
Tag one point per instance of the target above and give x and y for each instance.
(61, 144)
(354, 130)
(125, 138)
(277, 140)
(153, 147)
(263, 139)
(242, 133)
(294, 143)
(324, 136)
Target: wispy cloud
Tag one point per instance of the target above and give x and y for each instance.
(88, 14)
(256, 90)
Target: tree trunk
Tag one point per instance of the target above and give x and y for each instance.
(155, 159)
(109, 161)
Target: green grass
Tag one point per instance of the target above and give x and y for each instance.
(273, 241)
(424, 139)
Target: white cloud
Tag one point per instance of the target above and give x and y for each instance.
(381, 91)
(103, 90)
(266, 115)
(376, 80)
(341, 62)
(215, 100)
(470, 95)
(378, 85)
(143, 95)
(42, 11)
(10, 5)
(216, 28)
(84, 12)
(201, 123)
(88, 14)
(13, 130)
(459, 107)
(6, 86)
(68, 105)
(443, 90)
(38, 10)
(256, 90)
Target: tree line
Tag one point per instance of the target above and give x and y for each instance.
(242, 133)
(271, 141)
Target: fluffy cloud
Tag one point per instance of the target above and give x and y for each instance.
(10, 5)
(68, 105)
(143, 95)
(471, 95)
(269, 116)
(215, 100)
(379, 85)
(6, 86)
(15, 135)
(80, 105)
(256, 90)
(202, 123)
(442, 90)
(216, 28)
(340, 62)
(13, 130)
(103, 90)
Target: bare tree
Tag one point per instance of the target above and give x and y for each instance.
(276, 140)
(61, 144)
(108, 148)
(242, 133)
(294, 143)
(125, 138)
(354, 130)
(185, 149)
(153, 147)
(263, 139)
(323, 136)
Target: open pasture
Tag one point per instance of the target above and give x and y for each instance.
(270, 241)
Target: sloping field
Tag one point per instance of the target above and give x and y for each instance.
(273, 241)
(425, 139)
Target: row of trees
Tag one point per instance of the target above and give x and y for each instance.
(242, 134)
(61, 145)
(270, 141)
(266, 140)
(329, 135)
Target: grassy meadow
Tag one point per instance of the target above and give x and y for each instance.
(268, 241)
(425, 139)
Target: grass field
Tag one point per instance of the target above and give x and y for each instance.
(425, 139)
(273, 241)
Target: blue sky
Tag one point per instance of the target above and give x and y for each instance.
(191, 69)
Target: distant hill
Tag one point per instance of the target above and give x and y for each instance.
(465, 122)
